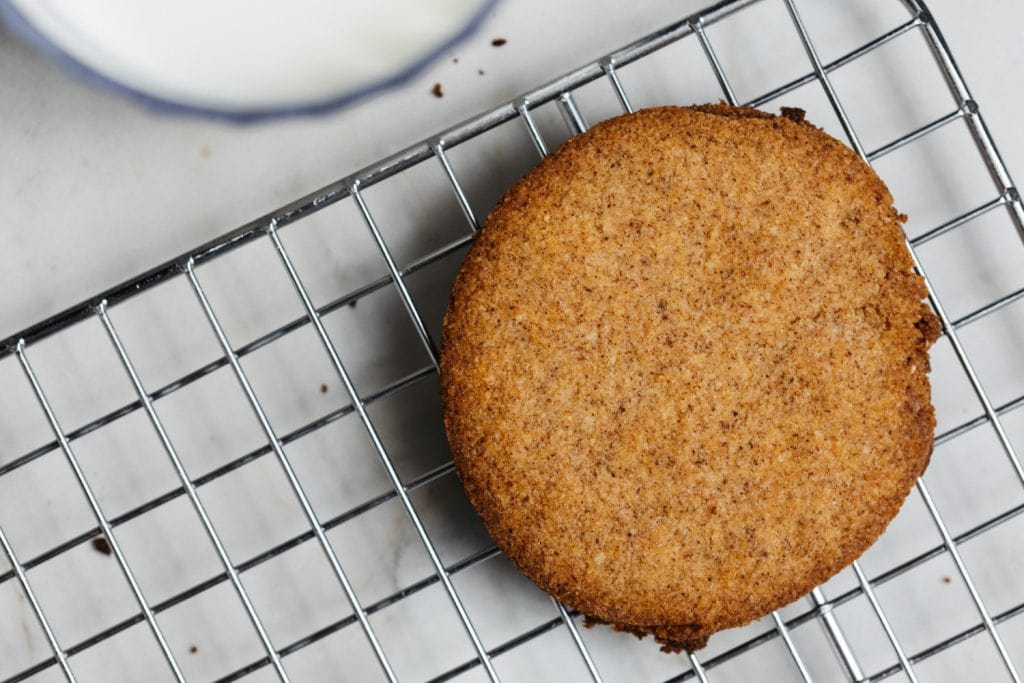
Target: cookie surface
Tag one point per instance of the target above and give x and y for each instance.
(684, 368)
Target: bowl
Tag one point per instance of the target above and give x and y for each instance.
(245, 61)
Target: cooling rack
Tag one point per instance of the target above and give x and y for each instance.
(232, 467)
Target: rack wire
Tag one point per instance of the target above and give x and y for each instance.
(484, 656)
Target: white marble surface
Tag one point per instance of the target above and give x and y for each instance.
(94, 190)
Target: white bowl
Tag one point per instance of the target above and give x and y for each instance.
(245, 60)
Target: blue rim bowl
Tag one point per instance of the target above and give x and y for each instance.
(20, 26)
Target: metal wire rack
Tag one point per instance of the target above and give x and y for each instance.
(73, 524)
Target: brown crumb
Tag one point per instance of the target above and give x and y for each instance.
(480, 71)
(794, 114)
(946, 579)
(100, 545)
(193, 649)
(436, 90)
(455, 60)
(323, 388)
(498, 42)
(353, 303)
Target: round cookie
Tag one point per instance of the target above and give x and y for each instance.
(684, 368)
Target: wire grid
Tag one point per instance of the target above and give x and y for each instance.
(559, 91)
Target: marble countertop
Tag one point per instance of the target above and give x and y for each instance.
(94, 189)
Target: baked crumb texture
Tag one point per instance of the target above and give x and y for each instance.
(684, 368)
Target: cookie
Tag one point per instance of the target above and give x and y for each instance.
(684, 368)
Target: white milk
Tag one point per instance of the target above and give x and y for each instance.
(236, 55)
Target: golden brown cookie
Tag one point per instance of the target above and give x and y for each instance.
(684, 368)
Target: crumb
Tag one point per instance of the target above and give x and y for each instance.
(353, 303)
(323, 388)
(455, 60)
(498, 42)
(193, 649)
(946, 579)
(436, 90)
(480, 71)
(205, 151)
(100, 545)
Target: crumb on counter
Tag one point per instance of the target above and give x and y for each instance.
(436, 90)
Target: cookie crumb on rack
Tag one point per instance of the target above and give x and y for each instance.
(101, 545)
(498, 42)
(193, 649)
(323, 388)
(436, 90)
